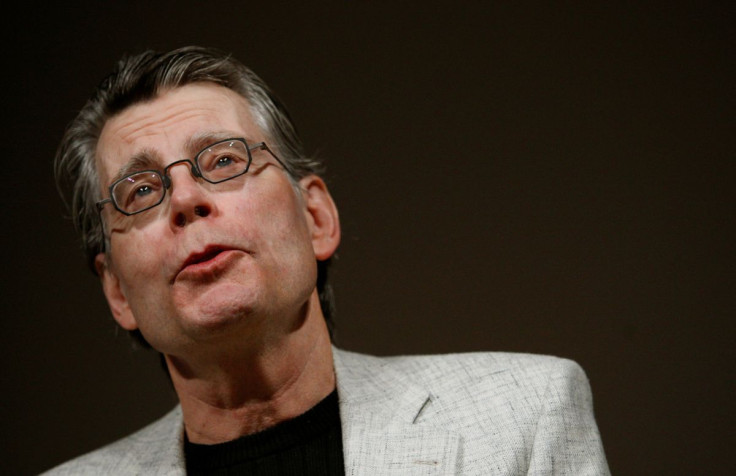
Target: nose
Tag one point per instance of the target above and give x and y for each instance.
(188, 199)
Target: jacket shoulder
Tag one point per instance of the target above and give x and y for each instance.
(461, 370)
(158, 444)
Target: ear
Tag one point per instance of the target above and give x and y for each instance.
(322, 217)
(115, 298)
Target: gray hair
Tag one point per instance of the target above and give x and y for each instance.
(141, 78)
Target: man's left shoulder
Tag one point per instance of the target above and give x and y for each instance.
(501, 380)
(502, 371)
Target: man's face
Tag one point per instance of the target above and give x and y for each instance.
(234, 260)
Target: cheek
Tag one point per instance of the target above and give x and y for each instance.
(273, 212)
(140, 258)
(287, 223)
(278, 225)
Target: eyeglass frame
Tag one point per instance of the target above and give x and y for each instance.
(194, 169)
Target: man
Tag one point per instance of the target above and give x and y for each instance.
(211, 233)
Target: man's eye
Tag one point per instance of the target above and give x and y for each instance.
(223, 161)
(143, 190)
(141, 194)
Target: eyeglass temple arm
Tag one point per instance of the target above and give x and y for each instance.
(102, 203)
(264, 146)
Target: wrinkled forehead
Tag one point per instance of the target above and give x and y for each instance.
(174, 125)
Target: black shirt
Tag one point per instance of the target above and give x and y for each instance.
(310, 444)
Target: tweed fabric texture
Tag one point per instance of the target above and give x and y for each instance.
(470, 414)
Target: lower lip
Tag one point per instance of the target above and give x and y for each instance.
(209, 268)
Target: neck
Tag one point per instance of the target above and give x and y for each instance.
(236, 395)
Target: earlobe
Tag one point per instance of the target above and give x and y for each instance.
(322, 216)
(115, 297)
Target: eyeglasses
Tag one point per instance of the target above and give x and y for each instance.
(224, 160)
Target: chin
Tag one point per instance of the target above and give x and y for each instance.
(223, 312)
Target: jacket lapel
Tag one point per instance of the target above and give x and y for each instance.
(384, 431)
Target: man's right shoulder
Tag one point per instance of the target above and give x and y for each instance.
(157, 448)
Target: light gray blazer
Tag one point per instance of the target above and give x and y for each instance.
(472, 414)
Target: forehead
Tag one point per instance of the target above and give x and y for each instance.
(168, 124)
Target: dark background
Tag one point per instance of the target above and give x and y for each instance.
(519, 177)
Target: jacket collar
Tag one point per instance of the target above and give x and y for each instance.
(385, 429)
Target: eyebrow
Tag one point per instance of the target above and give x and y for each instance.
(199, 141)
(146, 159)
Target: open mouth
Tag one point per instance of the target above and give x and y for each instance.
(208, 264)
(197, 258)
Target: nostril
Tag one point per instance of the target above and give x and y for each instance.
(181, 219)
